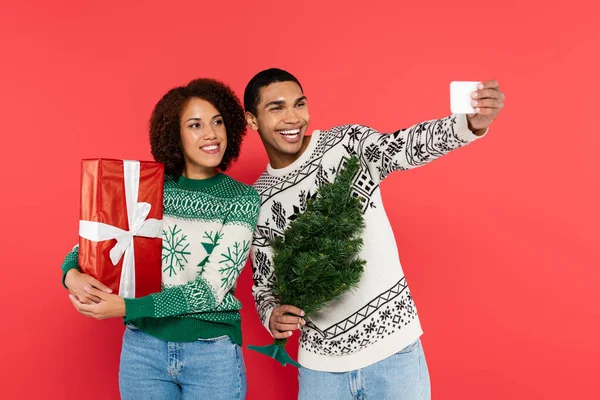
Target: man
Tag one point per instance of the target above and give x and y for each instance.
(367, 342)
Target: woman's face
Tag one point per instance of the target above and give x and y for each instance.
(203, 137)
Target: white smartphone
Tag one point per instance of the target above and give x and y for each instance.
(460, 97)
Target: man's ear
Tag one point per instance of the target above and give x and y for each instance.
(251, 121)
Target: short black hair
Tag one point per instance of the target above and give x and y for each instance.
(261, 80)
(165, 134)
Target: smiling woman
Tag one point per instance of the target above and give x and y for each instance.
(196, 131)
(200, 114)
(203, 138)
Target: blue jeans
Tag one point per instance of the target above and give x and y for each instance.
(205, 369)
(402, 376)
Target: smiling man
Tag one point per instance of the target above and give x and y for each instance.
(367, 343)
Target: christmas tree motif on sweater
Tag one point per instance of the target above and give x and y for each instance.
(234, 261)
(213, 241)
(174, 251)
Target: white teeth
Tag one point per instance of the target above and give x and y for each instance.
(291, 132)
(210, 148)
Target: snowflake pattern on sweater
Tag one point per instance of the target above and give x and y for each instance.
(207, 231)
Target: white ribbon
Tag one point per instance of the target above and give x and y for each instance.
(138, 226)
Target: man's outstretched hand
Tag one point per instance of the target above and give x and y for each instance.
(487, 101)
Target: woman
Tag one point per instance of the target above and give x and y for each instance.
(184, 342)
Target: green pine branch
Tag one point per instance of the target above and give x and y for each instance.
(317, 258)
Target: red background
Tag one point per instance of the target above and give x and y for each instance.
(499, 240)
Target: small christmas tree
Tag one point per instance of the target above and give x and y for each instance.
(316, 260)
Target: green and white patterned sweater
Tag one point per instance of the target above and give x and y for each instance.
(207, 233)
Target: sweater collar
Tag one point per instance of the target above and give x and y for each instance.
(199, 183)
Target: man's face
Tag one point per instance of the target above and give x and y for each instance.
(281, 117)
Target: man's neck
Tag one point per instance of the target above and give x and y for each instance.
(279, 160)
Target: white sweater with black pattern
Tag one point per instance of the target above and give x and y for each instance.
(379, 318)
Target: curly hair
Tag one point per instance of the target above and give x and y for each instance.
(165, 134)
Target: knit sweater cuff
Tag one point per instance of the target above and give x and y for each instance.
(139, 308)
(462, 129)
(67, 266)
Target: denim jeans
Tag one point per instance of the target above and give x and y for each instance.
(402, 376)
(205, 369)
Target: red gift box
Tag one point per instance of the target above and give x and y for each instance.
(120, 227)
